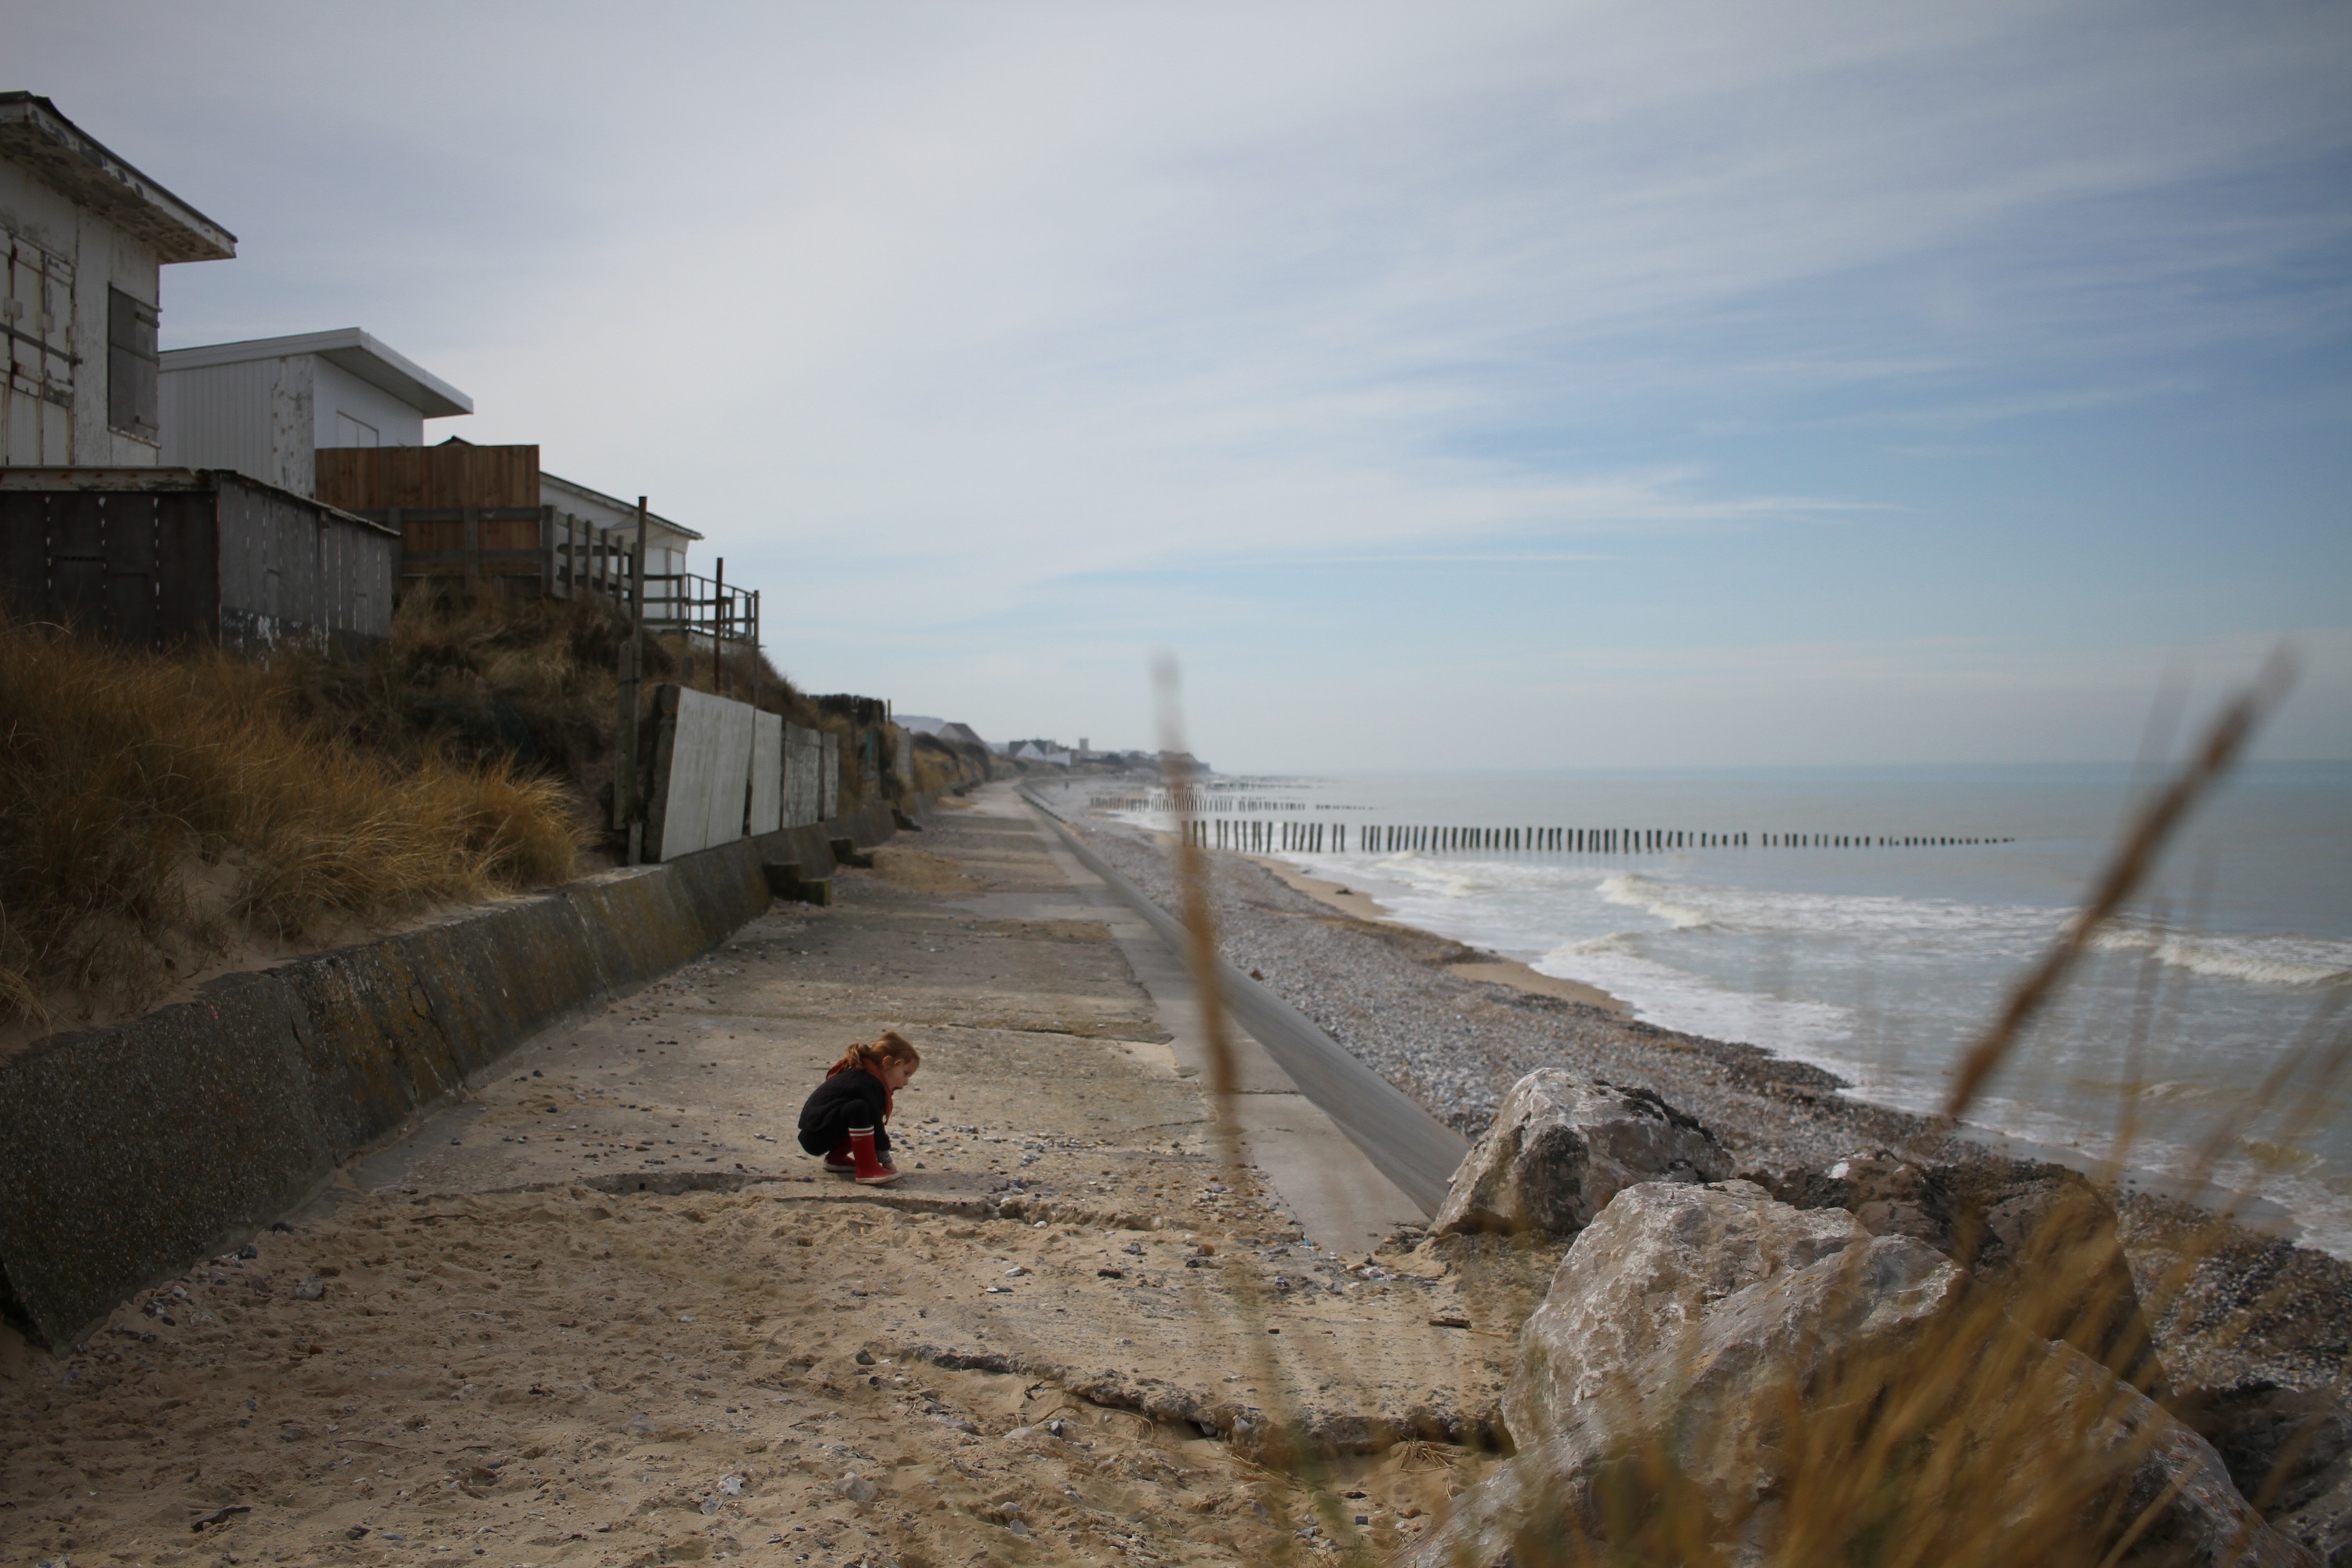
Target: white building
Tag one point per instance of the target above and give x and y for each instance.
(666, 541)
(87, 237)
(265, 406)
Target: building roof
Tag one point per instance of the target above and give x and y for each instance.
(345, 348)
(70, 161)
(576, 487)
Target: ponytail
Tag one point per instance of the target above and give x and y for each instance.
(893, 1047)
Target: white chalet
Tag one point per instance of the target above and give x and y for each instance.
(87, 237)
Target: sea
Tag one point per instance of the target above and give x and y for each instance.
(1873, 921)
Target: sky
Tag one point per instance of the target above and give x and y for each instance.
(1487, 384)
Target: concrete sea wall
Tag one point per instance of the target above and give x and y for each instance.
(129, 1153)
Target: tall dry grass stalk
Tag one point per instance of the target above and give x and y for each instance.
(152, 808)
(1281, 1441)
(2010, 1430)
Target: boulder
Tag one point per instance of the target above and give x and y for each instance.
(1558, 1150)
(1695, 1336)
(2004, 1221)
(2293, 1445)
(1751, 1286)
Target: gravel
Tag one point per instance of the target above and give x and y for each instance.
(1457, 1045)
(2258, 1311)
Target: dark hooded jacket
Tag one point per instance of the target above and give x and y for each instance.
(852, 1097)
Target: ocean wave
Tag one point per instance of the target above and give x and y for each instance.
(1613, 941)
(2299, 1185)
(2288, 960)
(1663, 900)
(1425, 875)
(1675, 998)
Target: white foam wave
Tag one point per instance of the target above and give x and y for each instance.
(1417, 871)
(1677, 999)
(2256, 960)
(1641, 892)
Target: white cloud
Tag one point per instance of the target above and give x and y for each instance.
(999, 299)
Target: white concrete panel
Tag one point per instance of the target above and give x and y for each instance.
(829, 805)
(803, 783)
(767, 773)
(694, 758)
(731, 775)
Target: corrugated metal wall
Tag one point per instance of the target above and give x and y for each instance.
(290, 572)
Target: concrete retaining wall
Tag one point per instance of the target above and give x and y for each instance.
(128, 1153)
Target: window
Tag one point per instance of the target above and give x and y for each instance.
(130, 364)
(351, 431)
(36, 314)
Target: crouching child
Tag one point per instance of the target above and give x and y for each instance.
(844, 1119)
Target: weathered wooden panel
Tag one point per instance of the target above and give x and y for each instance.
(370, 479)
(136, 567)
(159, 560)
(702, 772)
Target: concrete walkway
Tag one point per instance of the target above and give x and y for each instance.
(1340, 1198)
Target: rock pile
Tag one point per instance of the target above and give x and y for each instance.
(1708, 1358)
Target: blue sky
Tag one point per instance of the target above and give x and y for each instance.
(1554, 385)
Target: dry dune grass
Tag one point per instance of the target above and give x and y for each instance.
(152, 807)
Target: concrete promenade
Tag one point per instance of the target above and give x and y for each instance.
(604, 1311)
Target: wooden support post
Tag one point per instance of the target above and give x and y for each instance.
(717, 619)
(547, 551)
(472, 545)
(625, 768)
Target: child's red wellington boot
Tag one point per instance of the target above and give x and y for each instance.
(871, 1171)
(839, 1163)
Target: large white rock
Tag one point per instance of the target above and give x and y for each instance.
(1558, 1150)
(1695, 1306)
(1695, 1323)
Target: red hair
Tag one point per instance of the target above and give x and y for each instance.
(893, 1047)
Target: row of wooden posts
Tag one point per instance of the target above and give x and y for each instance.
(1263, 836)
(1198, 802)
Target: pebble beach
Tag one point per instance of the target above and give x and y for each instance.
(2257, 1311)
